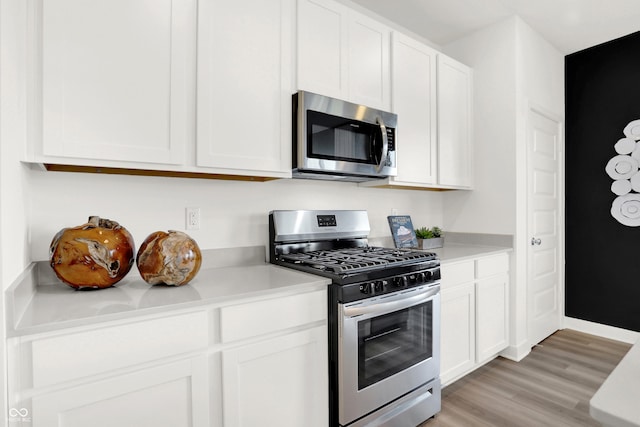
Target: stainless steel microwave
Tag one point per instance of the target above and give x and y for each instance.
(339, 140)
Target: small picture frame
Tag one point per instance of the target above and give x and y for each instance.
(404, 236)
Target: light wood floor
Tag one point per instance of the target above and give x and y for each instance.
(552, 386)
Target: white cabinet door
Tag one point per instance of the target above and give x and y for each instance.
(170, 395)
(458, 329)
(116, 79)
(343, 54)
(414, 100)
(245, 51)
(369, 62)
(322, 48)
(492, 305)
(454, 124)
(277, 382)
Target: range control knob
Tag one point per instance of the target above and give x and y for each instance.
(427, 276)
(365, 288)
(400, 282)
(379, 286)
(435, 274)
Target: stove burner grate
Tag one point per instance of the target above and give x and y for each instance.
(356, 259)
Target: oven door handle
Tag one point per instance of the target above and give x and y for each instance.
(385, 144)
(393, 305)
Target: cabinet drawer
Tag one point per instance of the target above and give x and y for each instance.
(457, 273)
(74, 356)
(491, 265)
(263, 317)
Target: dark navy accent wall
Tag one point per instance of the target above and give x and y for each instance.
(602, 95)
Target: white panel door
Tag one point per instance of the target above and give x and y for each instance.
(277, 382)
(116, 79)
(414, 100)
(454, 123)
(543, 294)
(171, 395)
(244, 86)
(369, 62)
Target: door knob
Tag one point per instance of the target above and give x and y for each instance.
(535, 241)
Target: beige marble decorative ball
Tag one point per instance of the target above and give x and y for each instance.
(168, 258)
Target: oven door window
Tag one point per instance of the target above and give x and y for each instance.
(393, 342)
(336, 138)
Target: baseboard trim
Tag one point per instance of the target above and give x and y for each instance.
(605, 331)
(516, 352)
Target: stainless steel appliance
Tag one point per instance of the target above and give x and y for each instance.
(338, 140)
(384, 316)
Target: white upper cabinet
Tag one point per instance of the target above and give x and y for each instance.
(343, 54)
(188, 86)
(369, 63)
(414, 100)
(245, 54)
(455, 168)
(431, 93)
(322, 48)
(114, 79)
(203, 87)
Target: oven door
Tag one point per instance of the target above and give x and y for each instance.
(387, 347)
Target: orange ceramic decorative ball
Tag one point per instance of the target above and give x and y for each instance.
(168, 258)
(95, 255)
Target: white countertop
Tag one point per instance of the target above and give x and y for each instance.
(39, 302)
(462, 246)
(617, 401)
(454, 252)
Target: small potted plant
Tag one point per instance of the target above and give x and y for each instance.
(429, 238)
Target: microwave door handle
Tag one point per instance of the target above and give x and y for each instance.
(385, 144)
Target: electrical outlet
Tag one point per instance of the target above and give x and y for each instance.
(192, 218)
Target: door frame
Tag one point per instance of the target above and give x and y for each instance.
(559, 119)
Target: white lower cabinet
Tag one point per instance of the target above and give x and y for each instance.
(277, 382)
(257, 362)
(274, 362)
(169, 395)
(492, 299)
(475, 310)
(458, 331)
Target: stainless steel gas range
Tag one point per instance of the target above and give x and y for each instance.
(384, 316)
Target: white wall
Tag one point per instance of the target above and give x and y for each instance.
(13, 222)
(541, 67)
(490, 207)
(514, 67)
(540, 71)
(233, 213)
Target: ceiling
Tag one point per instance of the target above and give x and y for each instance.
(570, 25)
